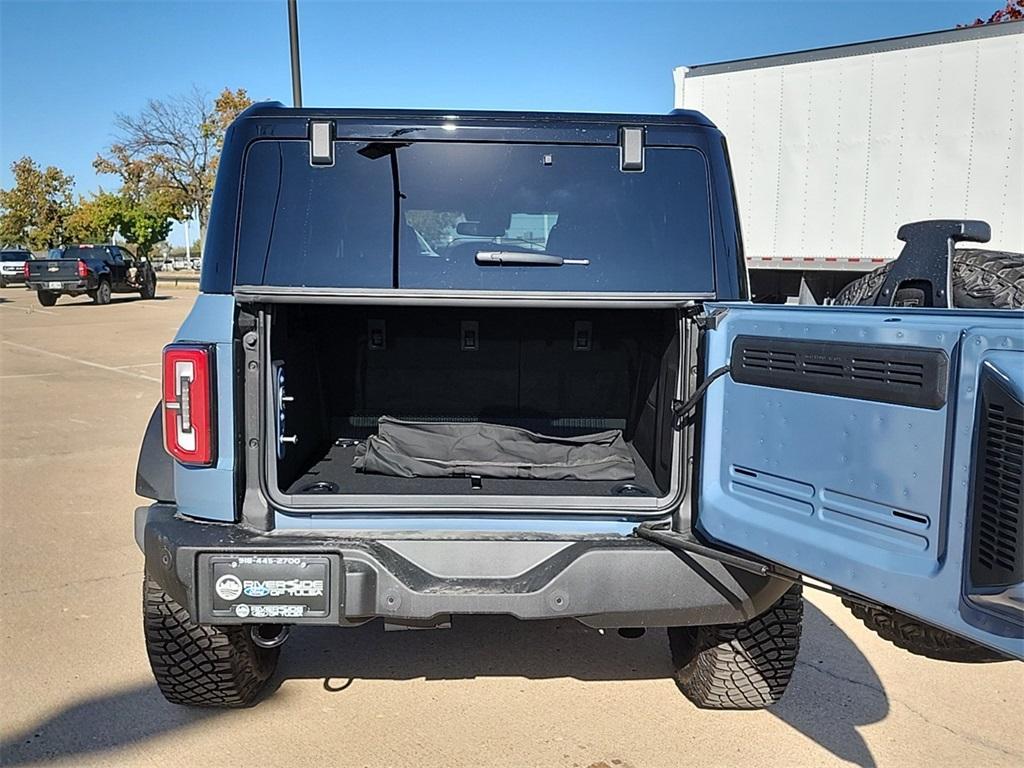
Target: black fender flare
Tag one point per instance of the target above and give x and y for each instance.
(154, 476)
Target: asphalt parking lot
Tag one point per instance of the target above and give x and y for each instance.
(77, 385)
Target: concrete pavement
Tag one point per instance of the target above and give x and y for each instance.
(77, 385)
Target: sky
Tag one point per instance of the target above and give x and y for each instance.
(66, 68)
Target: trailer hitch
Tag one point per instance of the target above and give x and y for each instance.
(925, 263)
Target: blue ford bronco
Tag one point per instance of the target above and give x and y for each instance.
(505, 363)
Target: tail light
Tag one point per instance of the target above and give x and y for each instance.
(188, 404)
(83, 270)
(24, 270)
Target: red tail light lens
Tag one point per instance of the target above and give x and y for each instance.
(83, 270)
(24, 270)
(190, 434)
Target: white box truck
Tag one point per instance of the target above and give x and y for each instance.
(833, 149)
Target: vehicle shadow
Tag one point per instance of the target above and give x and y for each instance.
(99, 725)
(85, 301)
(834, 691)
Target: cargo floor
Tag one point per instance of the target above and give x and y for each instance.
(336, 467)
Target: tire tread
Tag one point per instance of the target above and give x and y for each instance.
(197, 665)
(741, 666)
(917, 637)
(981, 279)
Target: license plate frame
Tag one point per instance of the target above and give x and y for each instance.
(54, 285)
(269, 588)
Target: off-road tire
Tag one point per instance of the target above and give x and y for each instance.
(919, 638)
(981, 279)
(202, 666)
(102, 293)
(148, 290)
(740, 666)
(47, 298)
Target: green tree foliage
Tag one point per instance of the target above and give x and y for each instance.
(34, 212)
(95, 219)
(146, 223)
(171, 149)
(142, 222)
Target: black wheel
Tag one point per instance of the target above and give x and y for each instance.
(202, 666)
(919, 638)
(981, 279)
(102, 293)
(47, 298)
(148, 290)
(3, 283)
(740, 666)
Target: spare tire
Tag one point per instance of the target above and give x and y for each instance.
(919, 638)
(981, 280)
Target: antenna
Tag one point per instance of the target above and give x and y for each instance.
(293, 34)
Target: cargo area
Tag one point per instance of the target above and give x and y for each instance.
(337, 370)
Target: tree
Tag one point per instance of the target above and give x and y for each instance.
(229, 105)
(146, 223)
(142, 222)
(95, 220)
(171, 148)
(1013, 11)
(35, 210)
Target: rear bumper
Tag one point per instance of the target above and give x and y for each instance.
(603, 582)
(66, 286)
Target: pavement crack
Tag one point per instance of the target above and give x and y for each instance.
(974, 740)
(828, 673)
(53, 587)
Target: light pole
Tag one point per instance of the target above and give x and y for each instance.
(293, 36)
(188, 240)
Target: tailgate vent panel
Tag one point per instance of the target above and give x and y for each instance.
(997, 524)
(914, 376)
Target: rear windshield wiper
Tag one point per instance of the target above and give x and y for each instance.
(520, 259)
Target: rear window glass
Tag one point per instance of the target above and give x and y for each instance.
(13, 255)
(78, 252)
(443, 204)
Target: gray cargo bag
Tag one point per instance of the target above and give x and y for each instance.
(451, 449)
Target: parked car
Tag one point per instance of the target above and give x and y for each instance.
(599, 426)
(12, 266)
(96, 270)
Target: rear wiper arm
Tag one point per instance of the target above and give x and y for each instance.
(520, 259)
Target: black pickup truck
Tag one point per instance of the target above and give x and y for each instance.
(96, 270)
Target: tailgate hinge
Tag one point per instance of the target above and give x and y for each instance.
(709, 321)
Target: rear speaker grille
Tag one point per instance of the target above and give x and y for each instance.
(890, 374)
(998, 513)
